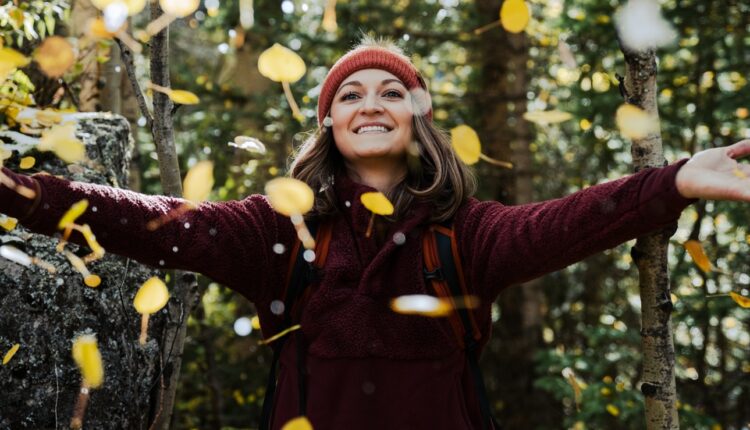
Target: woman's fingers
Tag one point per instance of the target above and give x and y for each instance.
(739, 149)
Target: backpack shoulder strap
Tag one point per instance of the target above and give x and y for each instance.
(300, 275)
(444, 271)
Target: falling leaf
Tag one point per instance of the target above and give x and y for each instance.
(183, 97)
(55, 56)
(281, 64)
(740, 300)
(76, 209)
(199, 181)
(255, 322)
(249, 144)
(89, 360)
(8, 223)
(151, 297)
(514, 15)
(63, 142)
(465, 142)
(641, 25)
(10, 353)
(179, 8)
(27, 162)
(11, 59)
(695, 249)
(329, 17)
(299, 423)
(289, 196)
(635, 123)
(15, 255)
(547, 116)
(377, 203)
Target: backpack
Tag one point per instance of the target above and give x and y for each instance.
(442, 269)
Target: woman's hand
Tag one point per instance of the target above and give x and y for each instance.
(715, 174)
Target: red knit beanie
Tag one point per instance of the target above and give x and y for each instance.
(374, 57)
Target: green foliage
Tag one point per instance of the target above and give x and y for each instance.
(27, 21)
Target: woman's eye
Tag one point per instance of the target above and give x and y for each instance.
(349, 96)
(393, 93)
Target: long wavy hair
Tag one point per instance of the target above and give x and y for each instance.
(435, 174)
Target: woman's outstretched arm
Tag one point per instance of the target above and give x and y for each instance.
(230, 242)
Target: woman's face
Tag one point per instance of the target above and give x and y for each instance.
(372, 117)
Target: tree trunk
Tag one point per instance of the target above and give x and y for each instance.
(186, 288)
(44, 312)
(650, 256)
(502, 59)
(80, 16)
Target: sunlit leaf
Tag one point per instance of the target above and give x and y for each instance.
(635, 123)
(299, 423)
(249, 144)
(377, 203)
(465, 142)
(151, 297)
(740, 300)
(641, 26)
(613, 410)
(8, 223)
(421, 304)
(27, 162)
(55, 56)
(11, 352)
(61, 140)
(547, 116)
(179, 8)
(514, 15)
(290, 196)
(199, 181)
(281, 64)
(183, 97)
(70, 216)
(89, 360)
(695, 249)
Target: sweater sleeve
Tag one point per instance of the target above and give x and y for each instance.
(505, 245)
(230, 242)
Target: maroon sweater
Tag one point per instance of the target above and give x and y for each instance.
(367, 367)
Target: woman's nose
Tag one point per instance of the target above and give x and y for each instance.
(371, 104)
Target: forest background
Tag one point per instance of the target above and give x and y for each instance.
(586, 318)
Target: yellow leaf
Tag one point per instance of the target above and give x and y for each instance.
(199, 181)
(613, 410)
(89, 360)
(740, 300)
(289, 196)
(465, 142)
(377, 203)
(183, 97)
(11, 59)
(76, 210)
(10, 353)
(635, 123)
(299, 423)
(547, 116)
(179, 8)
(695, 249)
(7, 222)
(63, 142)
(514, 15)
(27, 162)
(151, 297)
(55, 56)
(255, 322)
(281, 64)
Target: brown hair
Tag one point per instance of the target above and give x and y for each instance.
(435, 174)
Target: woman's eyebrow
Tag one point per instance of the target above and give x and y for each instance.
(359, 84)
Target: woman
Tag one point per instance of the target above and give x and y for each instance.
(364, 365)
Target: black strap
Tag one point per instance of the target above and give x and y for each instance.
(302, 275)
(449, 273)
